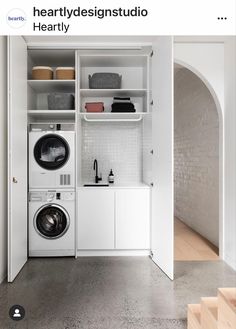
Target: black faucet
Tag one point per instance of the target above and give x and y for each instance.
(95, 167)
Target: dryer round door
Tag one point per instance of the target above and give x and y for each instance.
(51, 221)
(51, 152)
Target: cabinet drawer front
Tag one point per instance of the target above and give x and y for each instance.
(132, 219)
(95, 219)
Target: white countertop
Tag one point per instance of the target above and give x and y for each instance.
(114, 186)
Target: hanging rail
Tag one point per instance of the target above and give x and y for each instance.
(112, 119)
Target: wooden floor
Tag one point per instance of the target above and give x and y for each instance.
(190, 245)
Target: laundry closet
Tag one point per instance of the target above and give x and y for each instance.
(60, 202)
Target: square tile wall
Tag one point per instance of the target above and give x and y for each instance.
(116, 146)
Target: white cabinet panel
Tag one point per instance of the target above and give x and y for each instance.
(17, 155)
(162, 235)
(95, 219)
(132, 219)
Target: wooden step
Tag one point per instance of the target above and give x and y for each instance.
(227, 308)
(194, 316)
(209, 313)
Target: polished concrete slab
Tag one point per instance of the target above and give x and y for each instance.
(108, 293)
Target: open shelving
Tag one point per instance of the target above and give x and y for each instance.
(134, 70)
(38, 90)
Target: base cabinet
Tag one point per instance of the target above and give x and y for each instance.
(113, 219)
(132, 219)
(95, 219)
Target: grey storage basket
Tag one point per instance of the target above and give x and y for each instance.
(105, 81)
(61, 101)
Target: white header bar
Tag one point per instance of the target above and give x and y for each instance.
(118, 17)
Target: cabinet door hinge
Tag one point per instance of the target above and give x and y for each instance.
(151, 151)
(152, 184)
(151, 54)
(151, 103)
(151, 253)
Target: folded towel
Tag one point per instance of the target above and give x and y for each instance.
(121, 99)
(122, 107)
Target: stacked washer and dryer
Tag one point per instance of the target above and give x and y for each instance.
(51, 190)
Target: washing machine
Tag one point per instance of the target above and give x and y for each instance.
(51, 158)
(51, 223)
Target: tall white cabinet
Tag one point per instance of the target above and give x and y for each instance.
(17, 156)
(127, 217)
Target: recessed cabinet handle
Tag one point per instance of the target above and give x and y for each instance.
(14, 180)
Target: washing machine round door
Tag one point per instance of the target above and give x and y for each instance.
(51, 152)
(51, 221)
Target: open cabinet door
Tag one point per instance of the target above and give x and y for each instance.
(17, 155)
(162, 231)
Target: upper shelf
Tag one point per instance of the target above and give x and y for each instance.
(47, 86)
(112, 92)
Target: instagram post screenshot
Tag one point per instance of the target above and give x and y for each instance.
(118, 164)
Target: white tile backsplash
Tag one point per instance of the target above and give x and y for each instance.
(116, 146)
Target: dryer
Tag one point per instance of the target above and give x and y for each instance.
(51, 159)
(51, 223)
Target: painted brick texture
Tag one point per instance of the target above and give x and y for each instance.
(196, 156)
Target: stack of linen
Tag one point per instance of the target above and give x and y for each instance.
(122, 104)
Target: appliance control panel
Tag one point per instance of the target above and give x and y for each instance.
(51, 196)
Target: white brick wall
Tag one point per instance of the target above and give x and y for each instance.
(196, 155)
(116, 146)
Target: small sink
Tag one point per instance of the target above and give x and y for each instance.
(97, 185)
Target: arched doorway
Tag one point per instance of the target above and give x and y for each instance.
(198, 173)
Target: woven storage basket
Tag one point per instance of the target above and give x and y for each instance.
(105, 81)
(65, 73)
(61, 101)
(42, 73)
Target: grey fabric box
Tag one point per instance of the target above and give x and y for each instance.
(61, 101)
(105, 81)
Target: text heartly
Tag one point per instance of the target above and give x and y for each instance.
(60, 27)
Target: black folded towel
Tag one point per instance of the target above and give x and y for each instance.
(122, 107)
(121, 99)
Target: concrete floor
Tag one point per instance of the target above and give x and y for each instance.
(108, 293)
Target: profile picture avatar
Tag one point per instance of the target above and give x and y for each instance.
(16, 18)
(17, 312)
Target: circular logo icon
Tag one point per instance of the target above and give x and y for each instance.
(16, 18)
(17, 312)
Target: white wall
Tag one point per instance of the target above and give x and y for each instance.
(3, 162)
(196, 163)
(207, 56)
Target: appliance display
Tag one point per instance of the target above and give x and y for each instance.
(51, 159)
(51, 223)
